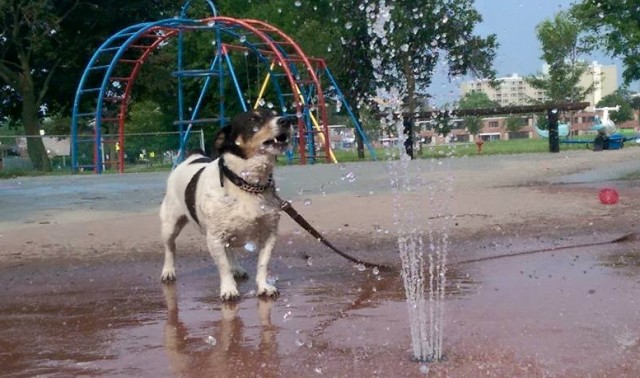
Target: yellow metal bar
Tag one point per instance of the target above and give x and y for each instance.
(316, 125)
(264, 86)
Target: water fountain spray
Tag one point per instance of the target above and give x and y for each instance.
(423, 269)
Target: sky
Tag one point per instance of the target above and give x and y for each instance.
(514, 23)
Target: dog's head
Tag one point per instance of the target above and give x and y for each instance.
(252, 133)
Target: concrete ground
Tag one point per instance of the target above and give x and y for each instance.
(80, 262)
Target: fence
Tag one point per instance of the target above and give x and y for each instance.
(141, 150)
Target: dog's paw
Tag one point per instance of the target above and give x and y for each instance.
(267, 290)
(229, 294)
(168, 275)
(239, 273)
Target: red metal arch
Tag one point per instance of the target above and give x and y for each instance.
(162, 34)
(310, 70)
(273, 38)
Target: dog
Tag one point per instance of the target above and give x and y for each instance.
(231, 199)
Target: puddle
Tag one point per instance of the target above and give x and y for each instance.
(551, 314)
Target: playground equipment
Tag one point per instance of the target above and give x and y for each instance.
(605, 124)
(607, 137)
(563, 130)
(294, 84)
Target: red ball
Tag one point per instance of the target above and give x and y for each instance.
(608, 196)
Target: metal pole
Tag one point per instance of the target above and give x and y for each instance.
(554, 139)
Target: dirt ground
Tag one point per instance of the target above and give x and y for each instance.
(80, 260)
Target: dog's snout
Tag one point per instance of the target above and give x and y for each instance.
(285, 121)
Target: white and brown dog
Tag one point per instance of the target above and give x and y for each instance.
(230, 199)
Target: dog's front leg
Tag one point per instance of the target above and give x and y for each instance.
(264, 288)
(228, 288)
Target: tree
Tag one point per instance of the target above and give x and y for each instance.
(474, 100)
(613, 25)
(621, 98)
(44, 44)
(514, 124)
(562, 46)
(418, 34)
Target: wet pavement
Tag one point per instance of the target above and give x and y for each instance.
(509, 310)
(570, 312)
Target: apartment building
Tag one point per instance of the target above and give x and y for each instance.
(514, 90)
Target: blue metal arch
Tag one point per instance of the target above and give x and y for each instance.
(131, 33)
(118, 44)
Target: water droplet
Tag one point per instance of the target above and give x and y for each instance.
(286, 316)
(272, 280)
(307, 202)
(250, 247)
(375, 271)
(348, 25)
(309, 261)
(360, 267)
(298, 3)
(211, 340)
(243, 38)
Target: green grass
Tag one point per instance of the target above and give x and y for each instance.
(506, 147)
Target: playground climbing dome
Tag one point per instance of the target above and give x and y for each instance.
(293, 84)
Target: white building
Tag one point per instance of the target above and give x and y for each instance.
(514, 90)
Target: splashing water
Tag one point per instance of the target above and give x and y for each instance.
(423, 269)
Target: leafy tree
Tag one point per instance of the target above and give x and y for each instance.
(44, 44)
(474, 100)
(542, 121)
(420, 33)
(621, 98)
(635, 101)
(514, 124)
(613, 25)
(562, 46)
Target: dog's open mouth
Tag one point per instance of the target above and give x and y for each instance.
(280, 139)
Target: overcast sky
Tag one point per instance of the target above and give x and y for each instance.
(514, 22)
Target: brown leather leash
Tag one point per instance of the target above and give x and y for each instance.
(299, 219)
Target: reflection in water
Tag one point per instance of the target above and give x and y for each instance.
(382, 288)
(224, 353)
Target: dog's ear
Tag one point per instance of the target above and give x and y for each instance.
(225, 141)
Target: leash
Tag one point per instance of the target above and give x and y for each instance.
(299, 219)
(288, 208)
